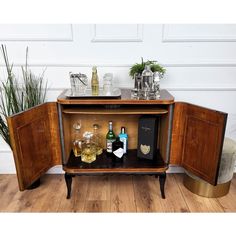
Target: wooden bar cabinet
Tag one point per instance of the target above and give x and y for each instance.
(188, 135)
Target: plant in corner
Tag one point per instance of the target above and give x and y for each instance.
(16, 97)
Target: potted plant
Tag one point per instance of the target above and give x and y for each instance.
(16, 97)
(137, 69)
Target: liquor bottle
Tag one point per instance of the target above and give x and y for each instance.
(77, 139)
(117, 150)
(124, 138)
(88, 154)
(110, 138)
(97, 139)
(95, 82)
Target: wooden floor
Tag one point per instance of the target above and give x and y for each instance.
(109, 194)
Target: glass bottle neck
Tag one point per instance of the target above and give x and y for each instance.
(110, 127)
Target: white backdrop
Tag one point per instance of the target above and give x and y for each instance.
(200, 60)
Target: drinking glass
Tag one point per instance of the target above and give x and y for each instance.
(107, 84)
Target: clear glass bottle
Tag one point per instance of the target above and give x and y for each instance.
(97, 140)
(110, 138)
(124, 139)
(147, 79)
(77, 139)
(88, 154)
(95, 82)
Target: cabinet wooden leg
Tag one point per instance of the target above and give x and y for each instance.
(34, 185)
(68, 179)
(162, 180)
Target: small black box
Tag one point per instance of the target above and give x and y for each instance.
(147, 137)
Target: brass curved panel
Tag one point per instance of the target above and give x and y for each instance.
(204, 189)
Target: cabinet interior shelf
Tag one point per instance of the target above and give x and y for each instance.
(124, 110)
(103, 164)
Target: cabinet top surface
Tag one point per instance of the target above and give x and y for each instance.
(125, 98)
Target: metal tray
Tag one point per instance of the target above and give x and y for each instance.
(116, 92)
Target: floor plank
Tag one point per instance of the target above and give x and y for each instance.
(78, 195)
(122, 194)
(228, 202)
(197, 203)
(147, 194)
(174, 201)
(47, 199)
(99, 188)
(110, 194)
(9, 190)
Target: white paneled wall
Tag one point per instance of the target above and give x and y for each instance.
(200, 60)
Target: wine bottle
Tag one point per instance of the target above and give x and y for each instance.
(95, 82)
(117, 150)
(124, 138)
(110, 138)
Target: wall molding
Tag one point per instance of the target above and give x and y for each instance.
(137, 38)
(205, 63)
(68, 38)
(167, 36)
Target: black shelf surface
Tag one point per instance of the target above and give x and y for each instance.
(104, 164)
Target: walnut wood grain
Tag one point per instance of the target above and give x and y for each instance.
(197, 140)
(177, 133)
(165, 98)
(127, 194)
(35, 141)
(118, 111)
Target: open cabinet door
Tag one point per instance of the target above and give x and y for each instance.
(197, 140)
(35, 141)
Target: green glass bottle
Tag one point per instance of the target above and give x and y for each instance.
(110, 138)
(95, 82)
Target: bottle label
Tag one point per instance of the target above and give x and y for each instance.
(124, 140)
(109, 145)
(119, 152)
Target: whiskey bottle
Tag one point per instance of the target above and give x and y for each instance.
(124, 138)
(110, 138)
(117, 150)
(95, 82)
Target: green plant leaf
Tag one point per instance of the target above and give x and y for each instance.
(14, 97)
(139, 67)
